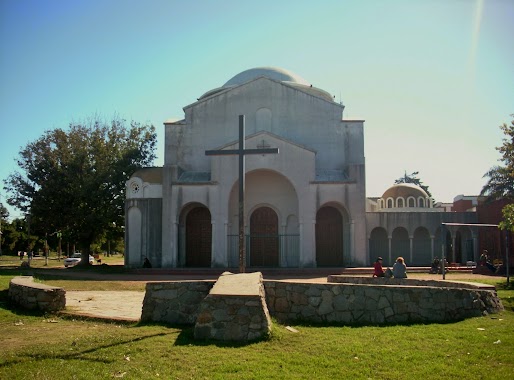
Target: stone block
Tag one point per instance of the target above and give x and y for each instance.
(234, 310)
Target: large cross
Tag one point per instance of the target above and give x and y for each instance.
(241, 152)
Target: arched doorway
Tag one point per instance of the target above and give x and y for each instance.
(198, 237)
(329, 237)
(379, 245)
(463, 245)
(422, 249)
(400, 244)
(133, 255)
(264, 238)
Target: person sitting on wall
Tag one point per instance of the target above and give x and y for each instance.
(146, 263)
(435, 266)
(399, 268)
(484, 257)
(379, 271)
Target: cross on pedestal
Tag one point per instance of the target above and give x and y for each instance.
(241, 152)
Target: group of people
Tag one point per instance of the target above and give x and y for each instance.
(399, 269)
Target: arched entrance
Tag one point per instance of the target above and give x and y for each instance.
(379, 245)
(400, 244)
(422, 249)
(264, 238)
(463, 245)
(329, 237)
(198, 237)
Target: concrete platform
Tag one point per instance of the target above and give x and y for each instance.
(122, 306)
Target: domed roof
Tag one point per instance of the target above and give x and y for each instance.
(405, 190)
(275, 73)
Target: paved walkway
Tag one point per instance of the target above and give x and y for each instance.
(110, 305)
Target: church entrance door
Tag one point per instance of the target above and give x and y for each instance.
(329, 237)
(198, 238)
(264, 238)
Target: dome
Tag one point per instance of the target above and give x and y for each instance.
(275, 73)
(404, 190)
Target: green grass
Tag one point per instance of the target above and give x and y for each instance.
(9, 261)
(48, 347)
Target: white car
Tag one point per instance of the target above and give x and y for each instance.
(75, 259)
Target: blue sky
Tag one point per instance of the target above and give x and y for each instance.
(432, 79)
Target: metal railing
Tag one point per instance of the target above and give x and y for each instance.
(288, 249)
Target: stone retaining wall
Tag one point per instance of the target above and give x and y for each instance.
(376, 304)
(234, 310)
(174, 302)
(32, 295)
(348, 303)
(338, 278)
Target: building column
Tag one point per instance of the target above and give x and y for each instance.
(411, 246)
(475, 246)
(214, 252)
(432, 245)
(390, 238)
(352, 244)
(282, 262)
(453, 249)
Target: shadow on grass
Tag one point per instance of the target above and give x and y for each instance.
(78, 354)
(186, 337)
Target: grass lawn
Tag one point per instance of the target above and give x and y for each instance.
(48, 347)
(53, 261)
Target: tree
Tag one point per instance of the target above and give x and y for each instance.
(74, 181)
(412, 178)
(507, 224)
(4, 214)
(501, 178)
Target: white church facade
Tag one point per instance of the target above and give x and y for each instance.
(305, 207)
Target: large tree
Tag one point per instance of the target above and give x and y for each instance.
(4, 214)
(73, 180)
(501, 177)
(413, 178)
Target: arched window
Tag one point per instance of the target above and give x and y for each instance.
(399, 202)
(421, 202)
(390, 203)
(412, 202)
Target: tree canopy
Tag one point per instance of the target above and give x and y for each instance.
(412, 178)
(501, 177)
(74, 180)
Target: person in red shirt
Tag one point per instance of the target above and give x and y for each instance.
(379, 271)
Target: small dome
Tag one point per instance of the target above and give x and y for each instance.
(275, 73)
(404, 190)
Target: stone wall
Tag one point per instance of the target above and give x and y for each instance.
(348, 303)
(376, 304)
(235, 309)
(338, 278)
(31, 295)
(174, 302)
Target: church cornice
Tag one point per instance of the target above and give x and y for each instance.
(269, 134)
(221, 91)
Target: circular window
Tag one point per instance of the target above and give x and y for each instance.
(135, 187)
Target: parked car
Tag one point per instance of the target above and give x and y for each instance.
(75, 259)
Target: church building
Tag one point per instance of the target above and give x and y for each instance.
(305, 206)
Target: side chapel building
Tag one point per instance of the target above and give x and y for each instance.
(305, 207)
